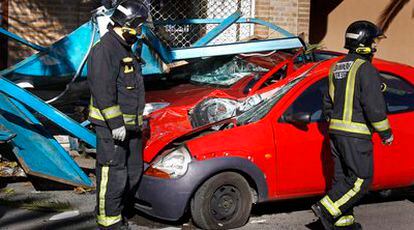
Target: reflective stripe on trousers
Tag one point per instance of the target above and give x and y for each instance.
(102, 219)
(334, 207)
(345, 221)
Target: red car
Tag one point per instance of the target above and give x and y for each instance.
(271, 145)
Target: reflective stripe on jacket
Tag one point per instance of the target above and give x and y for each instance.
(116, 84)
(354, 103)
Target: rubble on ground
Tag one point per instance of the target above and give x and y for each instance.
(11, 169)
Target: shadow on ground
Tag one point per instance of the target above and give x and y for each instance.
(276, 207)
(16, 217)
(288, 206)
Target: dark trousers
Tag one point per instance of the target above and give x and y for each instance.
(119, 168)
(353, 159)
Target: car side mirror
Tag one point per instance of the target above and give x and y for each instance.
(298, 118)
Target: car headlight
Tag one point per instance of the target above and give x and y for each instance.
(171, 165)
(212, 110)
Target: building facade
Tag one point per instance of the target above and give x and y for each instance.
(42, 22)
(329, 20)
(45, 21)
(319, 22)
(292, 15)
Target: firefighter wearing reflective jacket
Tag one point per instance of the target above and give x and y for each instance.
(355, 108)
(117, 104)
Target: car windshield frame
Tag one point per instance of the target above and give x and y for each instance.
(260, 110)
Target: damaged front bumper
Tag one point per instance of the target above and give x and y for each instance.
(168, 199)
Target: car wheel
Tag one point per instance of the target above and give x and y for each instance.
(222, 202)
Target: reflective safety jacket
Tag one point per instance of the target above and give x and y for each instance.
(116, 84)
(355, 104)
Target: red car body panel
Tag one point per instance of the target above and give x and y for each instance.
(296, 162)
(189, 94)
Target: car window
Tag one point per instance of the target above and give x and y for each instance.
(310, 101)
(398, 95)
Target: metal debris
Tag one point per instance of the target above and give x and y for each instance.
(260, 221)
(65, 215)
(82, 190)
(11, 169)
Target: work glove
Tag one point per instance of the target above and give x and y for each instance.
(388, 141)
(119, 134)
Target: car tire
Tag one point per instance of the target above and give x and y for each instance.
(222, 202)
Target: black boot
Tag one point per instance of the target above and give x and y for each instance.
(129, 211)
(325, 220)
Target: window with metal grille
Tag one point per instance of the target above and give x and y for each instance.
(185, 35)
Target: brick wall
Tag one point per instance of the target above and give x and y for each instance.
(3, 40)
(44, 22)
(292, 15)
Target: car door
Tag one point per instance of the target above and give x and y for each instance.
(394, 165)
(303, 163)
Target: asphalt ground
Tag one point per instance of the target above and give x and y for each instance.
(22, 207)
(396, 211)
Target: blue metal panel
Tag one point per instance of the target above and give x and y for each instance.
(85, 123)
(236, 48)
(37, 151)
(218, 29)
(48, 111)
(218, 21)
(6, 135)
(154, 53)
(60, 60)
(21, 40)
(156, 44)
(153, 62)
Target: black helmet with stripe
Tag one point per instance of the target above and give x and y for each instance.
(130, 13)
(361, 35)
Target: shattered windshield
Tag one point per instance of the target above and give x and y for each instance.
(224, 71)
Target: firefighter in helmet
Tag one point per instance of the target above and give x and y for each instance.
(116, 108)
(355, 108)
